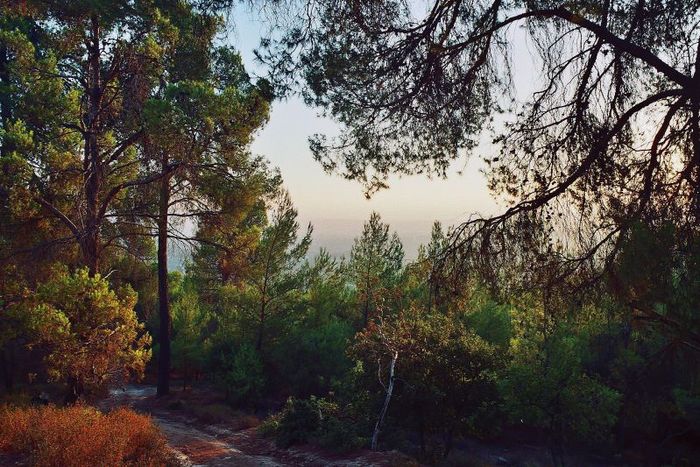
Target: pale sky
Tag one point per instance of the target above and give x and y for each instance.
(336, 207)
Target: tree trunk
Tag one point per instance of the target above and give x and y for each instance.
(89, 247)
(92, 165)
(75, 391)
(164, 355)
(365, 310)
(7, 373)
(385, 406)
(421, 430)
(5, 111)
(449, 437)
(261, 329)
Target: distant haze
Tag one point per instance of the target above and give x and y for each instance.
(337, 207)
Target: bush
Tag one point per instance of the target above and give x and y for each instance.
(339, 434)
(301, 419)
(80, 435)
(190, 345)
(313, 420)
(269, 427)
(91, 331)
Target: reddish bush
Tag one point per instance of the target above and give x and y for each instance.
(82, 436)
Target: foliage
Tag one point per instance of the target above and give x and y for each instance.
(91, 332)
(657, 278)
(312, 359)
(243, 378)
(275, 261)
(491, 321)
(571, 317)
(190, 345)
(375, 263)
(314, 420)
(608, 135)
(547, 384)
(446, 372)
(199, 133)
(569, 403)
(58, 63)
(328, 294)
(425, 281)
(79, 435)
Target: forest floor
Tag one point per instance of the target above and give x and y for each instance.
(215, 437)
(203, 430)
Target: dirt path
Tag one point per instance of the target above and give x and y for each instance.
(199, 444)
(195, 444)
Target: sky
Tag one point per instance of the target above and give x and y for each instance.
(337, 207)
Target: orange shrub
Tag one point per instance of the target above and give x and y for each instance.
(82, 436)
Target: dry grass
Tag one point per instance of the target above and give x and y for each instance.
(81, 436)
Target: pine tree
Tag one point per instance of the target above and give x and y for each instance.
(276, 261)
(376, 260)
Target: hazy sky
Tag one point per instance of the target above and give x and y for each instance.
(337, 207)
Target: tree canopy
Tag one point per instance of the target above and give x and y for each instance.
(610, 136)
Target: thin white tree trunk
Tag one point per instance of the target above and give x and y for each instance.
(385, 407)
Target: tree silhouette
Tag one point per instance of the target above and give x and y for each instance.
(612, 135)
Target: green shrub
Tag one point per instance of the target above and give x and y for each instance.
(244, 379)
(445, 372)
(491, 322)
(301, 420)
(313, 420)
(339, 434)
(269, 427)
(190, 346)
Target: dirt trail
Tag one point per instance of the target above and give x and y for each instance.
(199, 444)
(194, 443)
